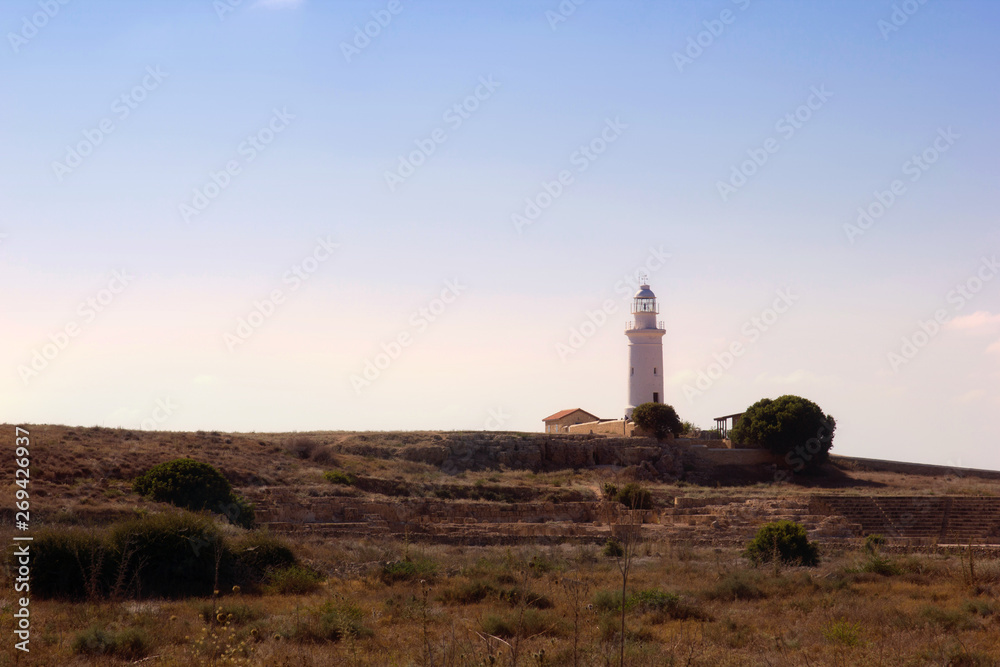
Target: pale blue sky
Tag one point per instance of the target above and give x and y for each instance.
(494, 348)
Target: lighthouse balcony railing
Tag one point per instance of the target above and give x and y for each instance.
(630, 326)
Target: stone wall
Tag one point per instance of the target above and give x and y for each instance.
(617, 427)
(735, 457)
(911, 468)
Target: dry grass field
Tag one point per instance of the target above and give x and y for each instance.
(382, 601)
(397, 604)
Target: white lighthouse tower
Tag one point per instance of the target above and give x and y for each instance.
(645, 351)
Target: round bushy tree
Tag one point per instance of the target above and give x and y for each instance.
(785, 541)
(789, 426)
(185, 483)
(659, 418)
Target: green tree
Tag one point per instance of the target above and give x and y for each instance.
(659, 418)
(789, 426)
(785, 541)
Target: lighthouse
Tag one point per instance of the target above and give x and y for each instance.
(645, 351)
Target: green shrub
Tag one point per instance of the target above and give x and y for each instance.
(239, 511)
(339, 477)
(876, 564)
(949, 619)
(129, 644)
(784, 540)
(169, 555)
(635, 496)
(185, 483)
(613, 549)
(331, 623)
(235, 613)
(659, 418)
(294, 580)
(651, 600)
(257, 554)
(873, 543)
(654, 600)
(516, 596)
(522, 623)
(68, 563)
(408, 569)
(161, 555)
(195, 486)
(470, 592)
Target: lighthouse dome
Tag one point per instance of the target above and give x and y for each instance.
(644, 293)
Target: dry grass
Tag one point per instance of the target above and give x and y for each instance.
(523, 601)
(393, 603)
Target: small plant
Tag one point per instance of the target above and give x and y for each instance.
(876, 563)
(408, 569)
(129, 644)
(635, 497)
(294, 580)
(527, 623)
(842, 632)
(333, 622)
(873, 543)
(785, 542)
(613, 549)
(339, 477)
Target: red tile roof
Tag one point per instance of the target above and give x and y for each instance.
(564, 413)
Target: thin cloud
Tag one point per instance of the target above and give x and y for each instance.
(970, 396)
(978, 322)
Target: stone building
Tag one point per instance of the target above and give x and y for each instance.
(562, 420)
